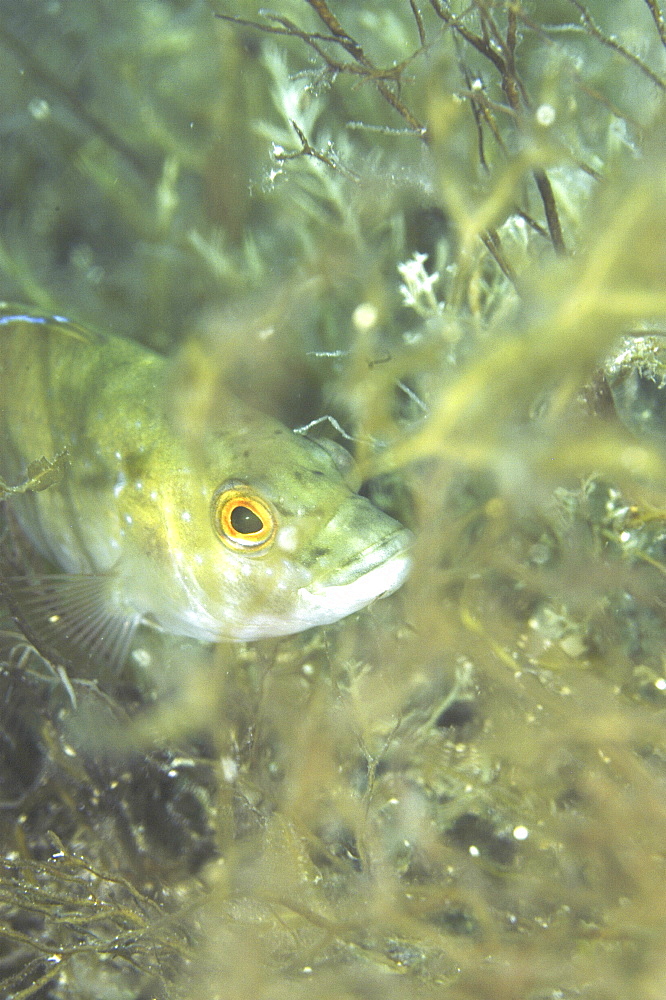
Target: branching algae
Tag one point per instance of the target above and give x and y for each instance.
(439, 227)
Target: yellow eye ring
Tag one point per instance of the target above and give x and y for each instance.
(243, 520)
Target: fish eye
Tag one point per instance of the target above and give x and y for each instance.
(242, 519)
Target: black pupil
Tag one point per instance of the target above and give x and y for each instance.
(245, 521)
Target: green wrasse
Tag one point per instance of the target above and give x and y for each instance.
(242, 531)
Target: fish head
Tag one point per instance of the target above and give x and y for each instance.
(288, 543)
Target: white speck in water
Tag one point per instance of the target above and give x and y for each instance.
(39, 109)
(474, 851)
(141, 657)
(365, 317)
(138, 485)
(153, 495)
(229, 769)
(118, 455)
(186, 516)
(520, 832)
(660, 683)
(128, 518)
(545, 114)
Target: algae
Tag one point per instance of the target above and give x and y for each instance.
(432, 223)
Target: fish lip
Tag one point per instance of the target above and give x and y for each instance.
(382, 552)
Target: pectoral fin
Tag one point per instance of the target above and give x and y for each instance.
(71, 619)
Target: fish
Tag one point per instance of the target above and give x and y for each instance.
(239, 530)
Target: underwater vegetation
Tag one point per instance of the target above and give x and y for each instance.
(432, 232)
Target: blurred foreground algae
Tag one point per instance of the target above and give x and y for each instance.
(433, 222)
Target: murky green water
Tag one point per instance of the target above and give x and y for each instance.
(432, 223)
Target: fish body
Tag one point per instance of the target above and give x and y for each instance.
(241, 531)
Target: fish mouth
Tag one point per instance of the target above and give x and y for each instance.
(373, 573)
(388, 551)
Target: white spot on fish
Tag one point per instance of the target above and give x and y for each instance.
(287, 538)
(121, 483)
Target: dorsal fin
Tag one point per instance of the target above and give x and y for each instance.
(11, 313)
